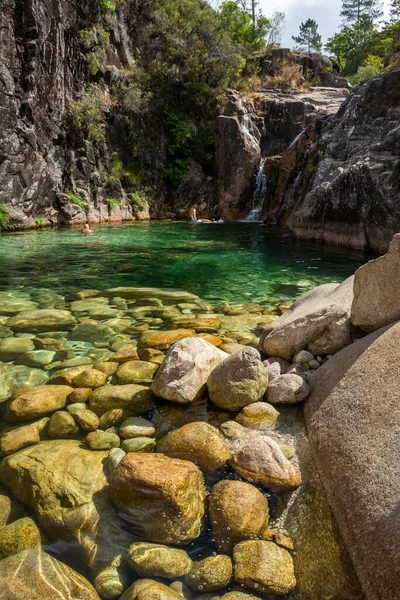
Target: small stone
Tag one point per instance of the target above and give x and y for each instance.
(125, 353)
(49, 344)
(86, 419)
(231, 347)
(288, 451)
(113, 417)
(232, 430)
(238, 381)
(72, 408)
(91, 332)
(11, 348)
(36, 358)
(80, 395)
(210, 574)
(147, 589)
(156, 560)
(132, 397)
(18, 438)
(65, 376)
(62, 425)
(101, 440)
(32, 402)
(198, 442)
(18, 536)
(314, 364)
(232, 520)
(303, 357)
(136, 427)
(264, 567)
(138, 444)
(90, 378)
(136, 371)
(271, 535)
(151, 355)
(287, 389)
(109, 368)
(42, 320)
(162, 340)
(259, 415)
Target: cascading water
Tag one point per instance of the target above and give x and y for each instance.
(259, 194)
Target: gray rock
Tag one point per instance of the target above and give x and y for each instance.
(377, 290)
(319, 321)
(185, 370)
(238, 381)
(136, 427)
(138, 444)
(353, 417)
(287, 389)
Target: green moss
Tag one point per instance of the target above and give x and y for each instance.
(114, 202)
(3, 216)
(77, 200)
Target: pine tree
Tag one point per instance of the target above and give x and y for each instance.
(309, 39)
(353, 11)
(394, 14)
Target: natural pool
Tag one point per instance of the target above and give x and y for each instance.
(233, 262)
(77, 397)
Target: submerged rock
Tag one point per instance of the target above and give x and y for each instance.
(66, 486)
(238, 511)
(19, 438)
(210, 574)
(318, 322)
(62, 425)
(130, 397)
(264, 567)
(136, 371)
(155, 560)
(18, 536)
(238, 381)
(185, 370)
(161, 497)
(42, 320)
(36, 401)
(45, 577)
(162, 340)
(136, 427)
(147, 589)
(102, 440)
(11, 348)
(200, 443)
(90, 378)
(259, 459)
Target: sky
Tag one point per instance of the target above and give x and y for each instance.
(325, 12)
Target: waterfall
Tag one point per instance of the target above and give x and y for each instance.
(248, 128)
(259, 195)
(296, 139)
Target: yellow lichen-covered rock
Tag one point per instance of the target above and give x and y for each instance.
(156, 560)
(162, 497)
(238, 511)
(67, 487)
(36, 401)
(36, 575)
(264, 567)
(210, 574)
(136, 371)
(19, 535)
(90, 378)
(258, 415)
(147, 589)
(131, 397)
(199, 442)
(161, 340)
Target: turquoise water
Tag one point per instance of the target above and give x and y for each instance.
(232, 262)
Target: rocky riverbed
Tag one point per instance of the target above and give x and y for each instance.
(153, 446)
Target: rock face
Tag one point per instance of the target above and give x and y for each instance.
(161, 497)
(376, 290)
(351, 183)
(185, 370)
(319, 322)
(67, 488)
(53, 579)
(238, 381)
(353, 416)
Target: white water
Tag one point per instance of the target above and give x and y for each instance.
(248, 128)
(296, 139)
(260, 192)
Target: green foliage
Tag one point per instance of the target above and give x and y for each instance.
(77, 200)
(39, 221)
(107, 5)
(90, 111)
(309, 39)
(97, 43)
(354, 11)
(136, 201)
(178, 151)
(3, 216)
(246, 27)
(114, 202)
(351, 46)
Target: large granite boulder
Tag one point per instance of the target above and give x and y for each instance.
(185, 370)
(353, 421)
(161, 497)
(239, 380)
(377, 290)
(45, 577)
(318, 322)
(66, 485)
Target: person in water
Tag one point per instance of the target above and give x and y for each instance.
(86, 230)
(193, 213)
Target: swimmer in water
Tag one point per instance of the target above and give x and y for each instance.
(86, 230)
(193, 213)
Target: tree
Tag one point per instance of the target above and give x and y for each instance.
(309, 39)
(353, 11)
(394, 15)
(277, 27)
(244, 28)
(351, 46)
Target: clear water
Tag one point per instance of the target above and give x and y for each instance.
(233, 262)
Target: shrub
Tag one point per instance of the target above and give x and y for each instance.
(77, 200)
(287, 76)
(371, 66)
(136, 201)
(97, 43)
(114, 202)
(90, 111)
(3, 216)
(39, 221)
